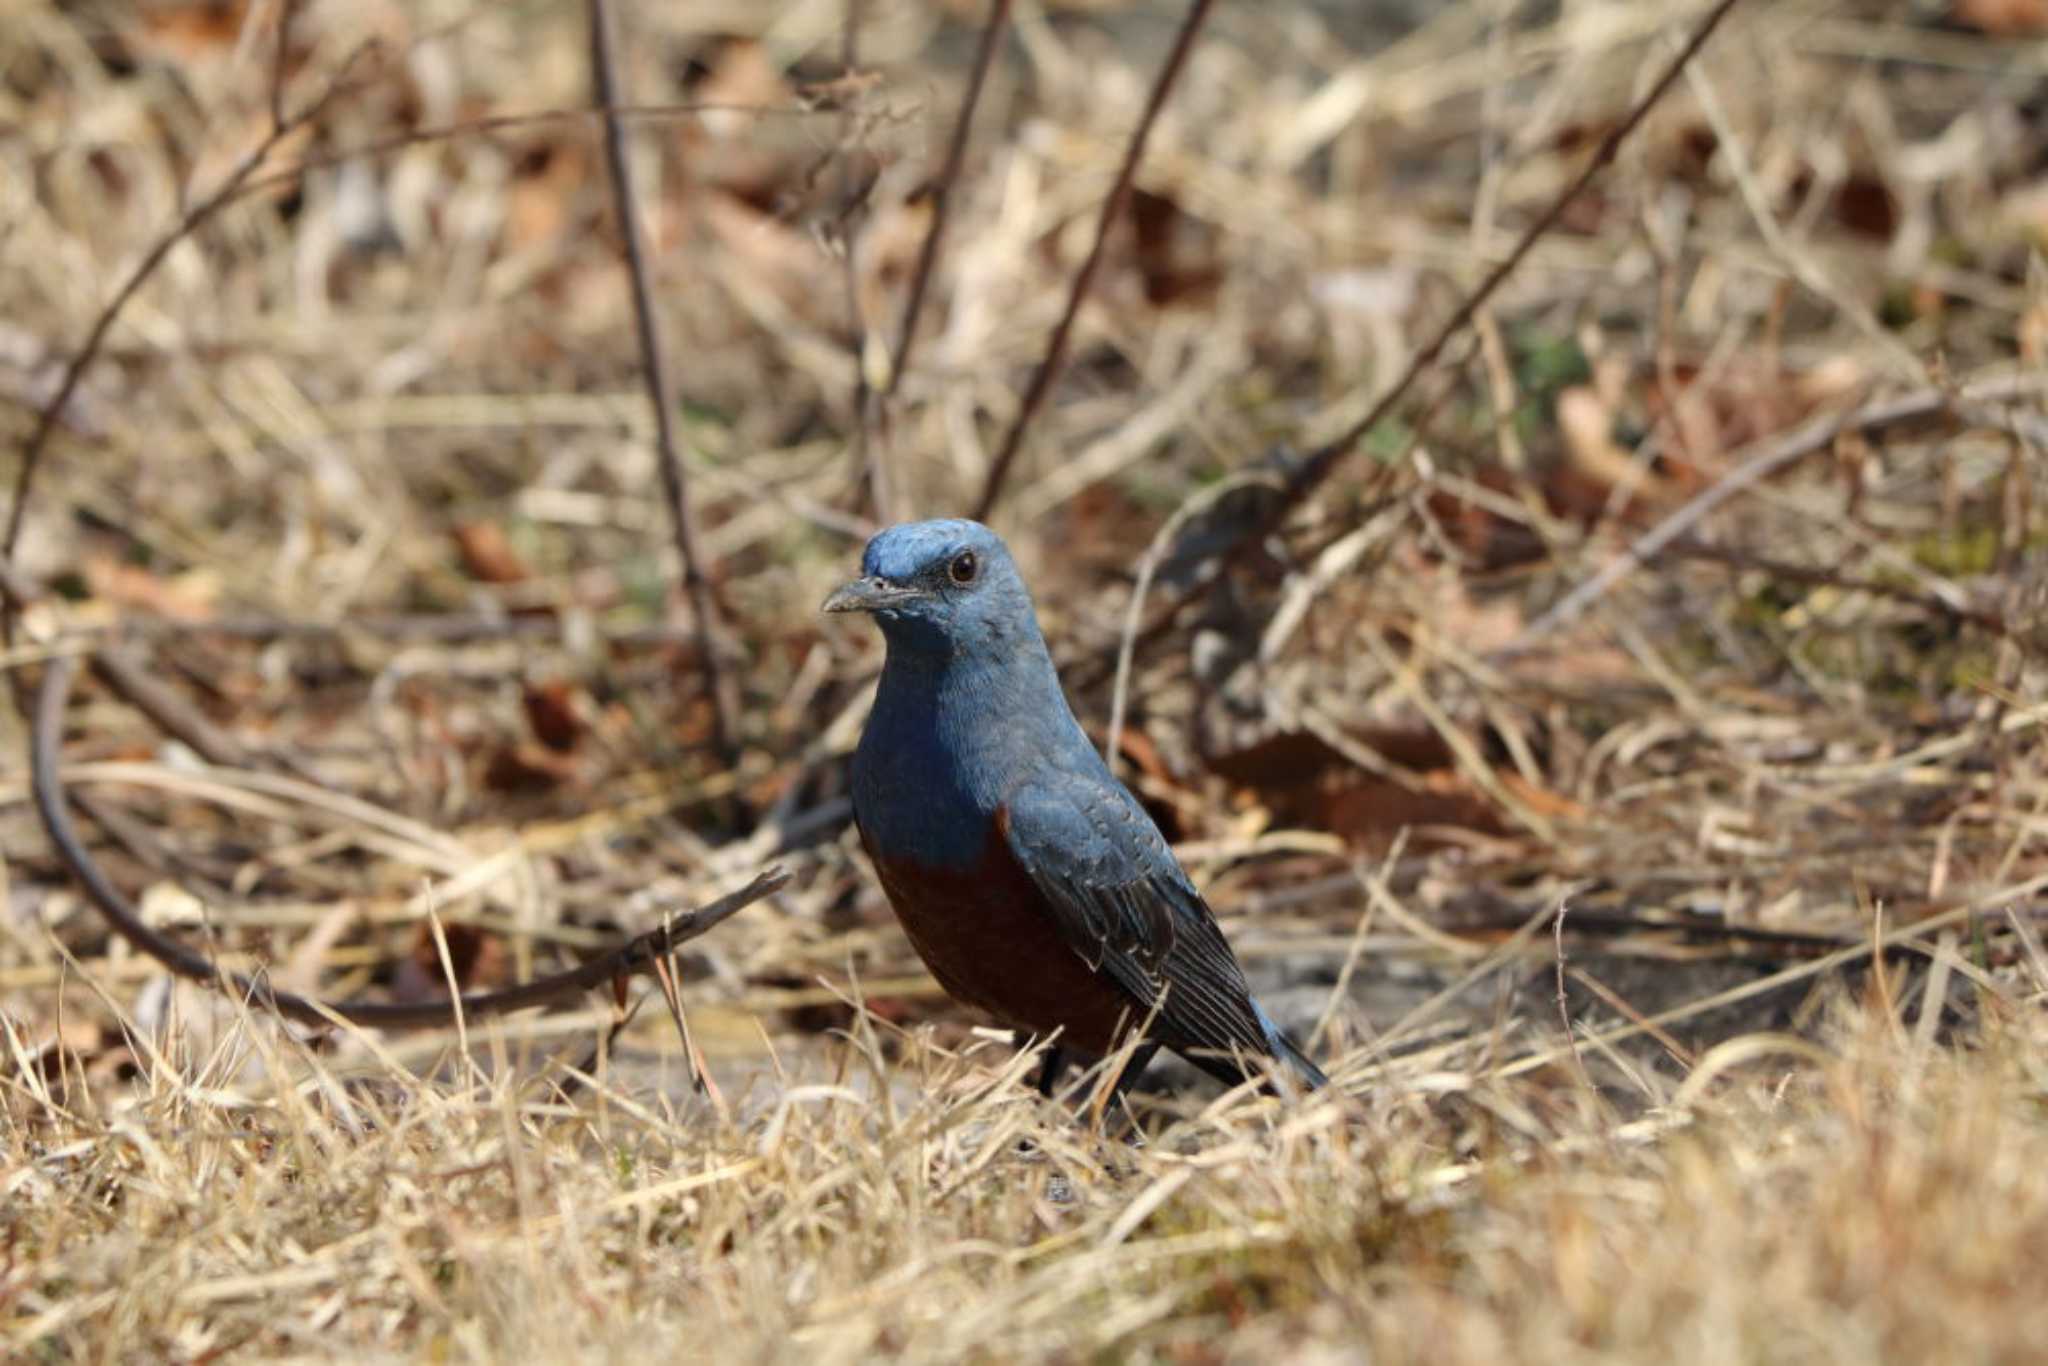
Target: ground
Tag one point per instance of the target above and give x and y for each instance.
(1620, 762)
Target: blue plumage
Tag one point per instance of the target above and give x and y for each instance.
(1029, 879)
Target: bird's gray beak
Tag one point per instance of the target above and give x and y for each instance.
(867, 595)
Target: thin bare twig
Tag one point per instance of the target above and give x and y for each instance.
(869, 451)
(639, 954)
(1077, 293)
(1148, 566)
(287, 175)
(440, 628)
(942, 190)
(163, 704)
(1323, 461)
(1768, 457)
(37, 445)
(285, 10)
(1687, 547)
(131, 680)
(660, 389)
(1326, 458)
(1564, 1010)
(1373, 496)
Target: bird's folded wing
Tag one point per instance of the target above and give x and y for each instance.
(1121, 901)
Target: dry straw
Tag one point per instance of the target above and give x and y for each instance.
(1618, 736)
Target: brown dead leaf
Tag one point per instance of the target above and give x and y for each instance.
(1541, 800)
(1487, 541)
(2002, 18)
(1304, 782)
(1866, 206)
(545, 179)
(1137, 746)
(182, 597)
(191, 32)
(773, 256)
(1154, 784)
(1103, 527)
(487, 555)
(1703, 414)
(1600, 466)
(1368, 812)
(697, 724)
(2033, 333)
(476, 957)
(1176, 253)
(554, 710)
(529, 767)
(1291, 758)
(727, 149)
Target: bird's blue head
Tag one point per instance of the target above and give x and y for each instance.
(942, 589)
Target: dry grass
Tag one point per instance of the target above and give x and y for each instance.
(366, 472)
(1871, 1198)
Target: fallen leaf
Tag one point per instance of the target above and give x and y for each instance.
(1176, 253)
(528, 767)
(2001, 18)
(487, 555)
(182, 597)
(554, 711)
(477, 959)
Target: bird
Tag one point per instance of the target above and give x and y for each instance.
(1029, 880)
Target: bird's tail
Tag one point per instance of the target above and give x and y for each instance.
(1288, 1051)
(1284, 1049)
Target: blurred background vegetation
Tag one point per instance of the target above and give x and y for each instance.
(365, 472)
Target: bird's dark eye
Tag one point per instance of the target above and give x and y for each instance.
(964, 567)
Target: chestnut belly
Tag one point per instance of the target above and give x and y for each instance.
(990, 940)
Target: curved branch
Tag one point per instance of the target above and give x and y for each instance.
(639, 954)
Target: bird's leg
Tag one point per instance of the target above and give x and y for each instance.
(1120, 1094)
(1048, 1071)
(1141, 1058)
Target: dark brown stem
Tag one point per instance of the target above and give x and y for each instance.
(1765, 459)
(189, 221)
(145, 690)
(1685, 547)
(660, 389)
(285, 12)
(1112, 209)
(942, 190)
(438, 628)
(638, 954)
(1323, 461)
(1564, 1010)
(870, 453)
(285, 176)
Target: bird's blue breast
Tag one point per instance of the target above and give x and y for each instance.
(923, 787)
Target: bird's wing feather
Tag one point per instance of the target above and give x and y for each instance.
(1121, 901)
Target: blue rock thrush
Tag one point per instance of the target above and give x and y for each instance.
(1030, 881)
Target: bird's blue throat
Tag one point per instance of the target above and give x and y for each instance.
(957, 731)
